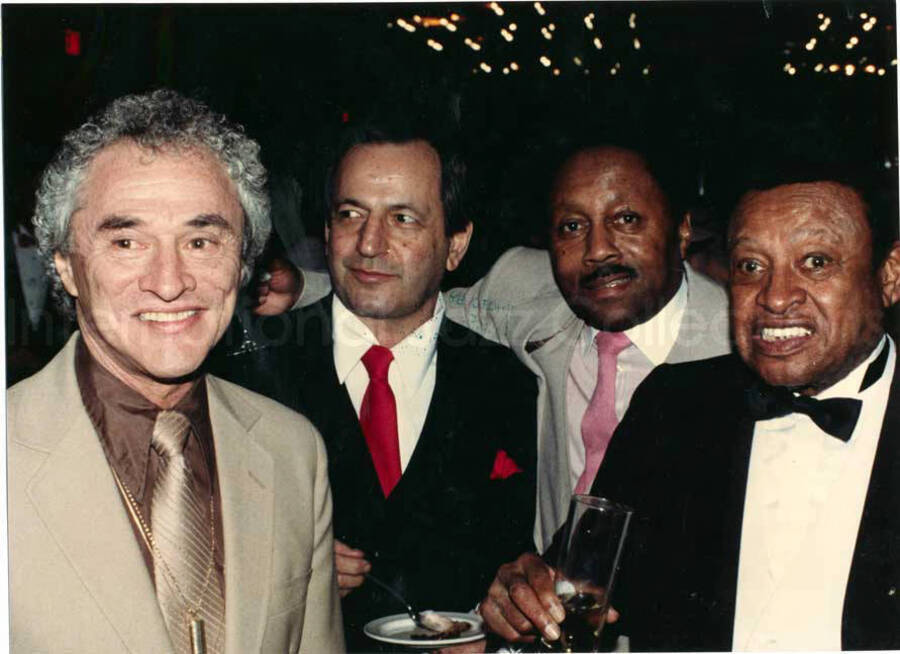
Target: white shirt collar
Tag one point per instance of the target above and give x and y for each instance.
(849, 385)
(656, 337)
(413, 354)
(846, 387)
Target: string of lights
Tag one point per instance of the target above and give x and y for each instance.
(562, 39)
(845, 45)
(513, 37)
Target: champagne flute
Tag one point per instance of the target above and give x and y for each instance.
(592, 542)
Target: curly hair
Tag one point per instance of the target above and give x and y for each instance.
(162, 119)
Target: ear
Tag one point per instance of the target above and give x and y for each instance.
(459, 243)
(63, 265)
(327, 230)
(889, 277)
(684, 234)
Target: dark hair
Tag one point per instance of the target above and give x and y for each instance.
(405, 130)
(875, 185)
(664, 158)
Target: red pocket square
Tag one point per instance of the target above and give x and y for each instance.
(504, 466)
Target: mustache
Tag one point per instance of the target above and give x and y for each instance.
(605, 271)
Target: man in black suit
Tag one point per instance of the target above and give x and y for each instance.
(765, 486)
(433, 472)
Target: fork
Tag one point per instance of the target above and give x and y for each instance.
(415, 615)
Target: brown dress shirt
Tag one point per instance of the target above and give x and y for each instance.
(124, 420)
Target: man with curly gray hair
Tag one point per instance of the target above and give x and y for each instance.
(162, 119)
(154, 507)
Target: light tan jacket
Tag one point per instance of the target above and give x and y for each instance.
(78, 582)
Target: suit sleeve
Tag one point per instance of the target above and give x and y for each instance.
(495, 305)
(316, 285)
(322, 626)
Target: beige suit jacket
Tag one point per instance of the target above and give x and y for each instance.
(77, 579)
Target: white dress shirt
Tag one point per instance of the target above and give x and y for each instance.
(804, 501)
(651, 342)
(411, 374)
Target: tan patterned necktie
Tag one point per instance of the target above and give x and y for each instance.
(187, 586)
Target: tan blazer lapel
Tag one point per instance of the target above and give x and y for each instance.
(553, 486)
(704, 326)
(246, 478)
(76, 496)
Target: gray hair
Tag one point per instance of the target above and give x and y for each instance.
(157, 120)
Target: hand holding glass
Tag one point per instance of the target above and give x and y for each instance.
(591, 546)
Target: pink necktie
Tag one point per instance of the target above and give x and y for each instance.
(378, 418)
(600, 420)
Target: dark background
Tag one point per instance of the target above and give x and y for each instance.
(710, 84)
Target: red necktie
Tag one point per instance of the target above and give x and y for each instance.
(378, 418)
(600, 419)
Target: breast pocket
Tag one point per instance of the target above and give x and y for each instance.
(284, 624)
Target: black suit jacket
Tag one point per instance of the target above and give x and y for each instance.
(680, 458)
(446, 527)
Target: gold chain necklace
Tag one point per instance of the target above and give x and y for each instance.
(195, 626)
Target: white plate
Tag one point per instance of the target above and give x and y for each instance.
(396, 629)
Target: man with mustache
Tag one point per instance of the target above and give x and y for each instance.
(430, 429)
(766, 503)
(622, 303)
(611, 301)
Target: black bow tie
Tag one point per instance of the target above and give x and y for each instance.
(836, 416)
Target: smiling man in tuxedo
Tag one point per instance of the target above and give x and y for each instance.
(765, 485)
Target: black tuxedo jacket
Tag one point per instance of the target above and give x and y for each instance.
(446, 527)
(680, 458)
